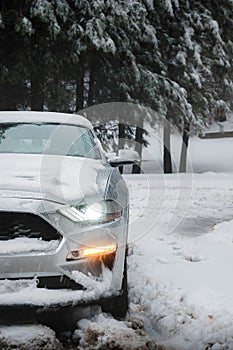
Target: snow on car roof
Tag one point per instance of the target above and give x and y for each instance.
(43, 117)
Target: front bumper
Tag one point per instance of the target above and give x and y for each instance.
(28, 279)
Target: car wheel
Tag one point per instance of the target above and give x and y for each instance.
(118, 306)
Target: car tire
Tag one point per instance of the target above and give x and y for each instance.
(118, 306)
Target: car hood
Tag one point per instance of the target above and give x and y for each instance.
(48, 177)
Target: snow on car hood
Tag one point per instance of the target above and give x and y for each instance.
(58, 178)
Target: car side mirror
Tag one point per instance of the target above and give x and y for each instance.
(124, 157)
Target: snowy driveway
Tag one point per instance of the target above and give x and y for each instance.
(180, 270)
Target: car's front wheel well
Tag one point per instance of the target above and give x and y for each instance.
(118, 305)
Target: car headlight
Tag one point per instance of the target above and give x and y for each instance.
(98, 212)
(91, 252)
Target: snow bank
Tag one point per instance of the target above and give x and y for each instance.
(28, 337)
(104, 332)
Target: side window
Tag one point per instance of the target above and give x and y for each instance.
(91, 148)
(85, 146)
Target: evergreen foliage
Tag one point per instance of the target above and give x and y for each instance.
(173, 56)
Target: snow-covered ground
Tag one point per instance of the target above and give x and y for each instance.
(204, 155)
(180, 275)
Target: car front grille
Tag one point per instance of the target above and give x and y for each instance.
(26, 225)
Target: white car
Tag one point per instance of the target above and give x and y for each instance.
(63, 219)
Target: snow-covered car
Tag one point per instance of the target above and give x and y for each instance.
(63, 218)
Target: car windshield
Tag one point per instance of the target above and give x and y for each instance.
(56, 139)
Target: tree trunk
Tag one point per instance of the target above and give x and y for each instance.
(167, 164)
(138, 146)
(184, 148)
(80, 87)
(121, 139)
(90, 98)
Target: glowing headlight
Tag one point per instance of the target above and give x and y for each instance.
(103, 211)
(94, 211)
